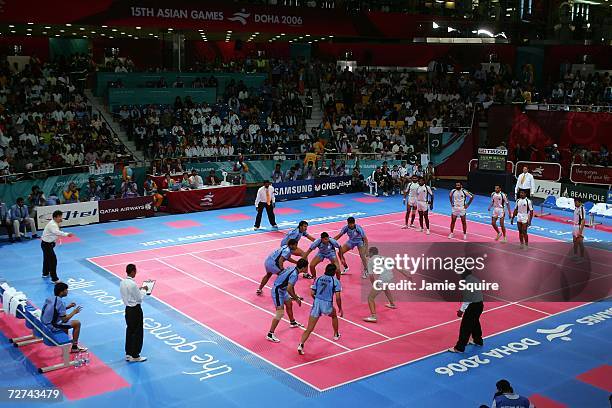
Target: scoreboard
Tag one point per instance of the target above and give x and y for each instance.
(492, 159)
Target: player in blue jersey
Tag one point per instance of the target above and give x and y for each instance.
(327, 250)
(323, 291)
(357, 238)
(297, 233)
(274, 263)
(283, 293)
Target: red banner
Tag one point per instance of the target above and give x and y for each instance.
(591, 174)
(205, 199)
(125, 208)
(540, 170)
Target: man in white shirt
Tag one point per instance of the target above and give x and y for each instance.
(195, 181)
(265, 199)
(525, 182)
(47, 243)
(132, 297)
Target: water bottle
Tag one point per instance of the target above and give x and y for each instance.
(77, 360)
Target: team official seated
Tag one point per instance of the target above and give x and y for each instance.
(20, 217)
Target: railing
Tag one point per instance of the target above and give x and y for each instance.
(569, 108)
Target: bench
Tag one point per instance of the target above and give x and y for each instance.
(40, 332)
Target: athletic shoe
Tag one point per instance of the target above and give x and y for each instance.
(137, 359)
(275, 226)
(307, 276)
(454, 350)
(271, 337)
(385, 194)
(294, 324)
(258, 292)
(255, 228)
(34, 236)
(473, 343)
(427, 232)
(465, 237)
(370, 319)
(337, 337)
(405, 226)
(411, 225)
(498, 236)
(390, 306)
(127, 357)
(521, 246)
(419, 230)
(77, 349)
(301, 349)
(504, 240)
(451, 235)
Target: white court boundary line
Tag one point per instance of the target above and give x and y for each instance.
(313, 225)
(256, 355)
(201, 251)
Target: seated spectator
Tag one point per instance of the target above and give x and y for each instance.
(71, 194)
(185, 185)
(36, 199)
(357, 180)
(129, 189)
(505, 397)
(170, 184)
(53, 199)
(277, 174)
(20, 217)
(309, 171)
(195, 181)
(55, 318)
(108, 189)
(5, 220)
(151, 189)
(92, 191)
(212, 179)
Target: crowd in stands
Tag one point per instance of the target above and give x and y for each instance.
(45, 120)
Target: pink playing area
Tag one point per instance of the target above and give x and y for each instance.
(214, 282)
(285, 211)
(183, 224)
(121, 232)
(235, 217)
(367, 200)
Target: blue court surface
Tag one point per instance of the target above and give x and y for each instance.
(562, 359)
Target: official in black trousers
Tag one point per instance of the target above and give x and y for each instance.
(47, 244)
(470, 312)
(132, 296)
(265, 200)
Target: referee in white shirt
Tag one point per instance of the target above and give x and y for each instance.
(265, 199)
(132, 296)
(525, 182)
(47, 243)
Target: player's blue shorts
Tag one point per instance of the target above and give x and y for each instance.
(330, 257)
(279, 296)
(271, 266)
(353, 244)
(321, 307)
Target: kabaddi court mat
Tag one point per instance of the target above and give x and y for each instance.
(205, 327)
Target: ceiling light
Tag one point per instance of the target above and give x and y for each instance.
(57, 35)
(111, 37)
(122, 33)
(44, 32)
(435, 25)
(30, 23)
(93, 32)
(29, 29)
(307, 35)
(11, 26)
(103, 35)
(47, 27)
(13, 31)
(29, 34)
(104, 26)
(68, 25)
(114, 30)
(138, 27)
(61, 31)
(82, 28)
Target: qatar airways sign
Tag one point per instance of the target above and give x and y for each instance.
(242, 16)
